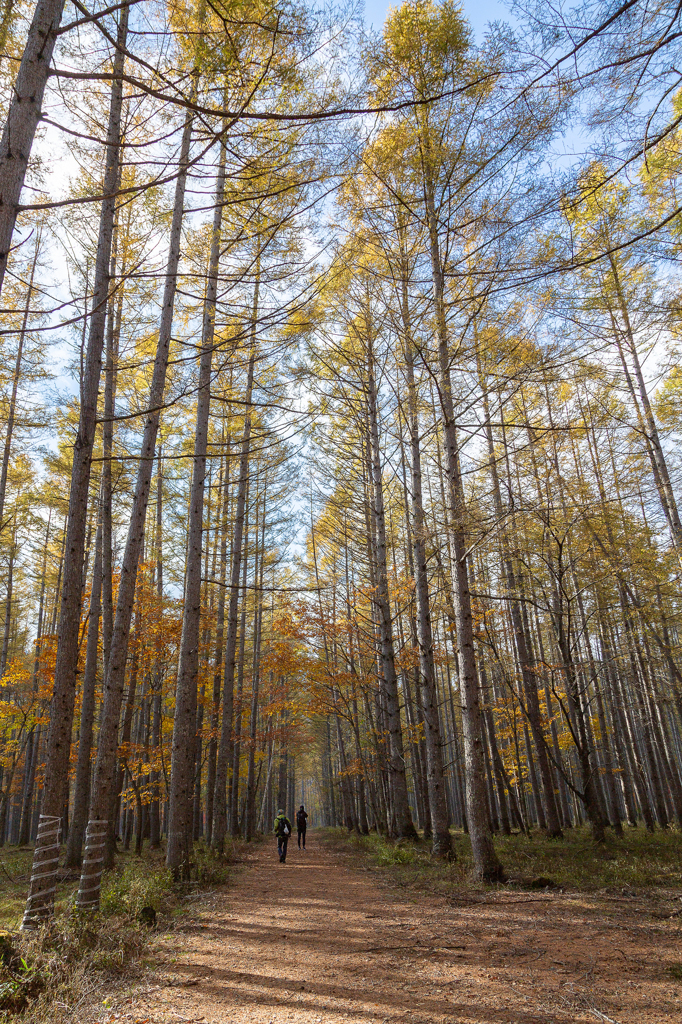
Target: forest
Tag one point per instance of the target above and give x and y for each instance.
(340, 411)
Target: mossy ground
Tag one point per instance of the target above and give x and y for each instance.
(639, 862)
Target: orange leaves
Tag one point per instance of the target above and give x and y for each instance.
(354, 769)
(17, 676)
(20, 707)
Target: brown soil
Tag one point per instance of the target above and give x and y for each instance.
(321, 940)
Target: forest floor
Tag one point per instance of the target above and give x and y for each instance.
(325, 939)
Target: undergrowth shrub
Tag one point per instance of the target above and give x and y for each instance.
(386, 852)
(59, 966)
(61, 963)
(382, 851)
(138, 885)
(46, 975)
(639, 860)
(208, 869)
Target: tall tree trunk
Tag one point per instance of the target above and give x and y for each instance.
(104, 795)
(157, 676)
(656, 454)
(225, 747)
(251, 782)
(81, 798)
(398, 779)
(183, 751)
(346, 795)
(239, 703)
(41, 893)
(123, 770)
(486, 863)
(34, 738)
(442, 842)
(107, 450)
(621, 707)
(58, 585)
(575, 719)
(531, 706)
(218, 662)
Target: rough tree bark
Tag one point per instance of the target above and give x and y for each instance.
(24, 114)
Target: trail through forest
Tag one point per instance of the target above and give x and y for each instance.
(321, 940)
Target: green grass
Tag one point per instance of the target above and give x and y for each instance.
(638, 862)
(46, 975)
(15, 873)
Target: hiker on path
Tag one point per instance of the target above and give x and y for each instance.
(301, 815)
(282, 830)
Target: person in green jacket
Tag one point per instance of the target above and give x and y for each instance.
(282, 830)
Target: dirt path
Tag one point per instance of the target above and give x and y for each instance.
(317, 941)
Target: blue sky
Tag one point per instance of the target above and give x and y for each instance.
(478, 12)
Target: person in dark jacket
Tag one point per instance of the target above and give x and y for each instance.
(301, 815)
(282, 830)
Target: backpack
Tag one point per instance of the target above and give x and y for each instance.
(282, 826)
(300, 819)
